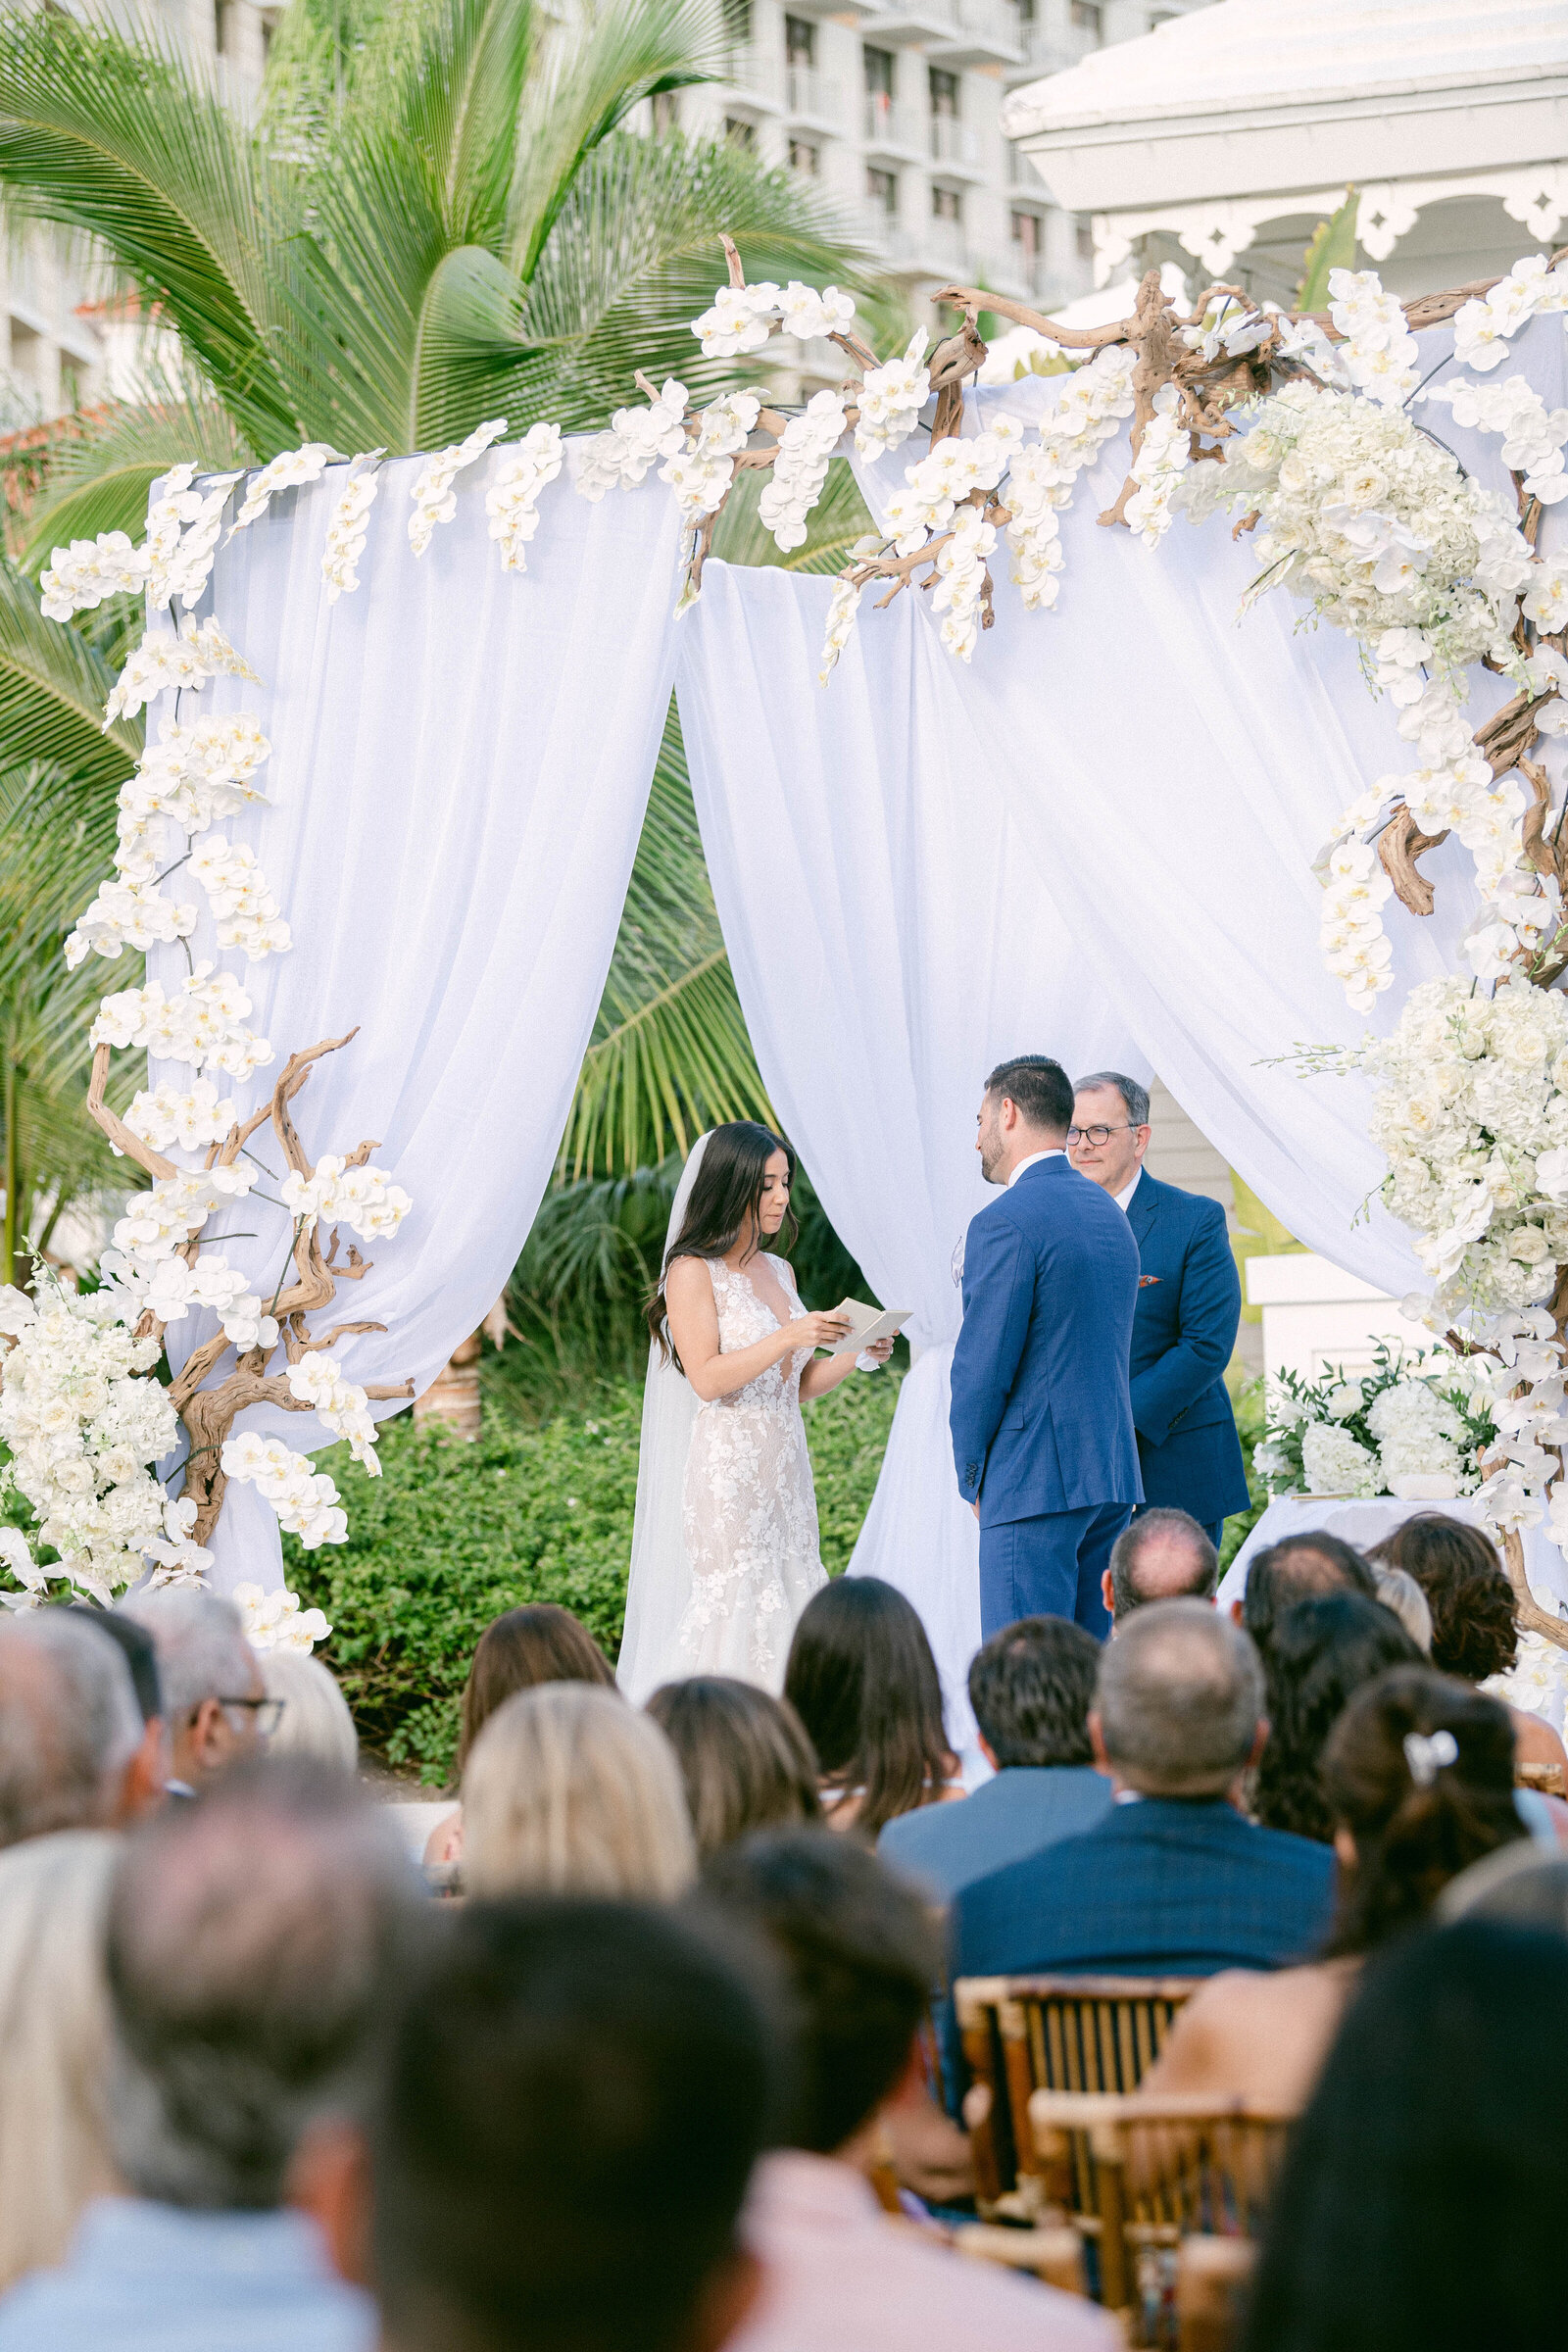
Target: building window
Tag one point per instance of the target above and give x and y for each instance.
(944, 205)
(800, 41)
(1085, 18)
(879, 72)
(1026, 232)
(806, 157)
(943, 92)
(882, 190)
(1083, 236)
(666, 112)
(738, 132)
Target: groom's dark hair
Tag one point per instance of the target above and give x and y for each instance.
(1039, 1087)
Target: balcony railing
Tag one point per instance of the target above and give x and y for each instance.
(750, 71)
(986, 29)
(953, 141)
(810, 97)
(889, 124)
(1022, 173)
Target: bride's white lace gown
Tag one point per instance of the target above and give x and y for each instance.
(747, 1505)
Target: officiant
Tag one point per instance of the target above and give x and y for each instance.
(1189, 1308)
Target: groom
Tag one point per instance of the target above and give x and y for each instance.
(1042, 1415)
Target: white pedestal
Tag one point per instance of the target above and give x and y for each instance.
(1365, 1522)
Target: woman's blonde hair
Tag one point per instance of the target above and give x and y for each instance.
(315, 1721)
(569, 1791)
(54, 2043)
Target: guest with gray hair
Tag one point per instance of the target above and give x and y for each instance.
(1174, 1881)
(70, 1731)
(214, 1698)
(1189, 1310)
(1162, 1554)
(254, 1943)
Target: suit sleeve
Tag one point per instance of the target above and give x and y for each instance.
(1210, 1311)
(998, 1300)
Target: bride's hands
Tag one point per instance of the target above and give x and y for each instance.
(814, 1332)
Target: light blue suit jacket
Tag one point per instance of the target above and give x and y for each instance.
(1042, 1416)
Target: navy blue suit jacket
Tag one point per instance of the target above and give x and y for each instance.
(1162, 1887)
(1040, 1416)
(1027, 1806)
(1189, 1307)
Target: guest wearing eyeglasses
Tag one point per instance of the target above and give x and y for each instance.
(214, 1697)
(1189, 1308)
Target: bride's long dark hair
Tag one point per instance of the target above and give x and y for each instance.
(725, 1202)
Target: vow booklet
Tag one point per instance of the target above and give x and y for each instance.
(868, 1325)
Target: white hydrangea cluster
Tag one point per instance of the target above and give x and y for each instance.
(317, 1381)
(83, 1422)
(187, 657)
(841, 614)
(247, 914)
(890, 400)
(742, 318)
(1042, 473)
(294, 467)
(127, 914)
(275, 1621)
(637, 439)
(306, 1501)
(805, 452)
(1419, 1436)
(1532, 437)
(511, 501)
(202, 1023)
(1164, 456)
(962, 579)
(163, 1116)
(1379, 353)
(1482, 327)
(77, 579)
(364, 1198)
(700, 473)
(348, 525)
(434, 498)
(1334, 1463)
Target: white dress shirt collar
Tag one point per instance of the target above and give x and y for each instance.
(1124, 1200)
(1032, 1161)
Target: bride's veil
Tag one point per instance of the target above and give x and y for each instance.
(659, 1583)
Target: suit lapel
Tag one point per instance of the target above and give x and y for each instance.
(1143, 1210)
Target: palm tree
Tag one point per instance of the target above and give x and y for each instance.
(437, 216)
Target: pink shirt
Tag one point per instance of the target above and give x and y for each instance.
(843, 2278)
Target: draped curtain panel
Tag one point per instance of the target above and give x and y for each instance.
(461, 760)
(891, 942)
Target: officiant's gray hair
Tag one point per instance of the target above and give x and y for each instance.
(1180, 1698)
(1135, 1097)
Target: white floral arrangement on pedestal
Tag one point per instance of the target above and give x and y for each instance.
(1416, 1426)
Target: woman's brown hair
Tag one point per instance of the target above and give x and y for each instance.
(540, 1642)
(744, 1756)
(1474, 1630)
(863, 1681)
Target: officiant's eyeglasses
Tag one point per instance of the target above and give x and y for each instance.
(1098, 1135)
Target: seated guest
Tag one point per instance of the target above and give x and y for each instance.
(1321, 1653)
(1475, 1631)
(1162, 1554)
(1031, 1688)
(1420, 2205)
(860, 1954)
(1172, 1880)
(1401, 1592)
(1304, 1567)
(314, 1720)
(1418, 1774)
(540, 1642)
(54, 2032)
(70, 1731)
(574, 2098)
(861, 1678)
(254, 1942)
(211, 1683)
(147, 1779)
(742, 1754)
(571, 1792)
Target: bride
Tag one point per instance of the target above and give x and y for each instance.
(724, 1545)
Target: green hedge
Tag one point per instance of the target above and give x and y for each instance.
(451, 1534)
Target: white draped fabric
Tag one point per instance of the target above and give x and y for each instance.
(891, 942)
(460, 759)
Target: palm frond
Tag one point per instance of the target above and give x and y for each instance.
(99, 477)
(837, 520)
(53, 687)
(133, 145)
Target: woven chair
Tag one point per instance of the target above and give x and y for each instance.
(1026, 2033)
(1547, 1777)
(1139, 2179)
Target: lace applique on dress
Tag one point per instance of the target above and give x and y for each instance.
(749, 1509)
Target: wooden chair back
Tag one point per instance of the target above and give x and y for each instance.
(1071, 2034)
(1547, 1777)
(1138, 2178)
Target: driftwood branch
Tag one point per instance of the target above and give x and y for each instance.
(1528, 1611)
(1400, 843)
